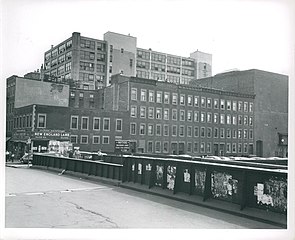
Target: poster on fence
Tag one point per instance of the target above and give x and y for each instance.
(159, 175)
(171, 174)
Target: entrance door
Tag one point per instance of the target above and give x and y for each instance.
(259, 148)
(221, 151)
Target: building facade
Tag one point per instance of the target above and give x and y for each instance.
(90, 63)
(270, 106)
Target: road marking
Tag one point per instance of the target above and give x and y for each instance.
(35, 193)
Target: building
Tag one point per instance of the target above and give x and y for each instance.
(270, 106)
(89, 63)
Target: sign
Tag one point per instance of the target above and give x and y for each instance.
(51, 135)
(122, 145)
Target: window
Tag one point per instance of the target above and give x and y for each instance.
(74, 122)
(234, 135)
(151, 112)
(96, 139)
(142, 129)
(182, 116)
(228, 105)
(174, 114)
(158, 130)
(239, 133)
(215, 132)
(132, 128)
(105, 140)
(166, 98)
(234, 148)
(221, 132)
(159, 113)
(228, 133)
(96, 123)
(196, 147)
(209, 132)
(202, 147)
(245, 133)
(84, 123)
(208, 147)
(143, 95)
(196, 116)
(150, 129)
(250, 121)
(151, 96)
(159, 97)
(202, 117)
(216, 103)
(240, 106)
(133, 111)
(150, 147)
(119, 125)
(174, 99)
(196, 101)
(84, 139)
(222, 118)
(189, 100)
(166, 114)
(181, 131)
(106, 124)
(166, 130)
(209, 117)
(196, 131)
(182, 100)
(240, 148)
(189, 116)
(245, 120)
(203, 102)
(209, 103)
(81, 95)
(74, 139)
(215, 118)
(251, 107)
(250, 134)
(174, 130)
(228, 148)
(189, 147)
(189, 131)
(202, 132)
(142, 112)
(228, 119)
(234, 120)
(245, 148)
(134, 94)
(245, 107)
(222, 103)
(234, 106)
(165, 147)
(41, 120)
(157, 146)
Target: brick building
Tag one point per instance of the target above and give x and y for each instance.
(90, 63)
(270, 106)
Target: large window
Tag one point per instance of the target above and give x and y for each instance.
(106, 124)
(151, 96)
(96, 123)
(133, 111)
(85, 121)
(159, 97)
(143, 95)
(41, 120)
(134, 94)
(119, 125)
(166, 97)
(132, 128)
(74, 122)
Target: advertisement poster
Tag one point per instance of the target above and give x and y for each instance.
(171, 174)
(200, 177)
(186, 176)
(223, 185)
(159, 175)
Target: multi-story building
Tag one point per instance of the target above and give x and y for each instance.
(270, 105)
(90, 63)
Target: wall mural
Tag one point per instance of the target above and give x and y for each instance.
(200, 177)
(272, 193)
(171, 174)
(159, 175)
(223, 185)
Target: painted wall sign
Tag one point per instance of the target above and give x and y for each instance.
(171, 174)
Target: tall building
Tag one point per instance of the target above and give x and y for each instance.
(90, 63)
(270, 105)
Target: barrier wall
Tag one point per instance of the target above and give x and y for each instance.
(252, 186)
(95, 168)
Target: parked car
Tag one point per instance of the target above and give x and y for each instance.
(28, 157)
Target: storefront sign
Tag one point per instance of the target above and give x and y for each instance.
(51, 135)
(122, 145)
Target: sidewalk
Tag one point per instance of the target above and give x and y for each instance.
(273, 218)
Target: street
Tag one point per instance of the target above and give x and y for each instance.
(42, 199)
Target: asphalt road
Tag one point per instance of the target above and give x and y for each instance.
(41, 199)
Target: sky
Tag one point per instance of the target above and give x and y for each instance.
(239, 34)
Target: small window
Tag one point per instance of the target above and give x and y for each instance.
(84, 139)
(119, 125)
(96, 140)
(105, 140)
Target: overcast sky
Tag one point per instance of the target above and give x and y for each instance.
(239, 34)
